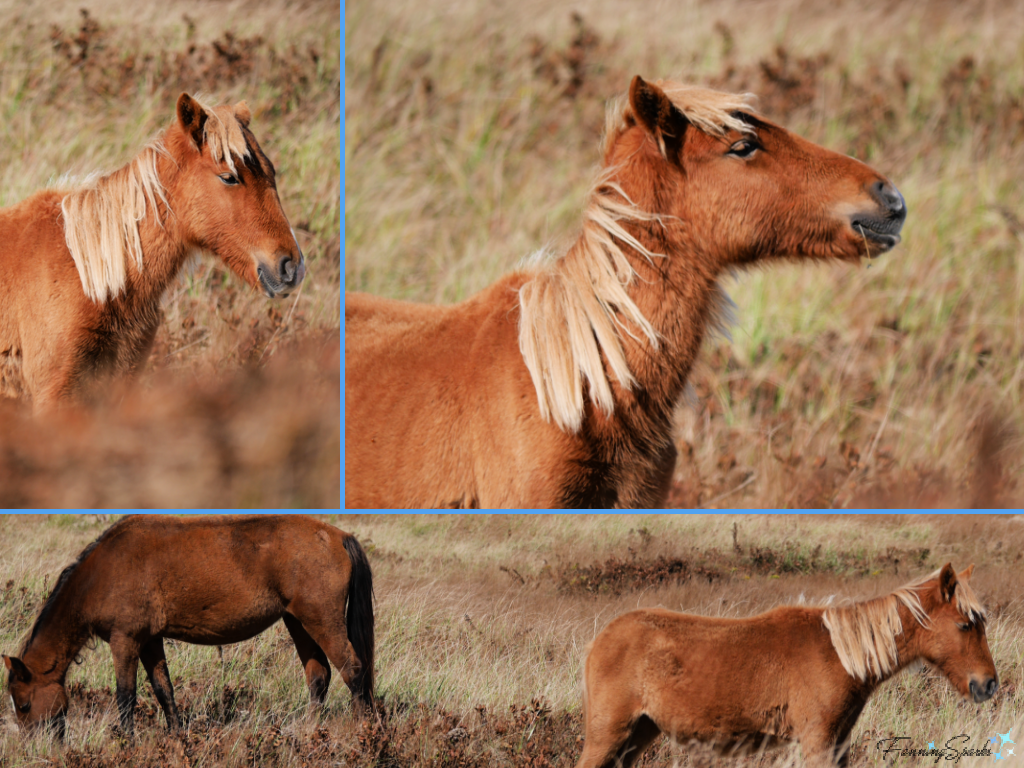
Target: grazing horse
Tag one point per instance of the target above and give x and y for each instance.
(205, 580)
(791, 674)
(555, 387)
(83, 268)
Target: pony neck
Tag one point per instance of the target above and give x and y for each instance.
(677, 291)
(164, 249)
(908, 646)
(58, 635)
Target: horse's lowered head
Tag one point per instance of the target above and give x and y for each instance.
(226, 197)
(743, 188)
(954, 639)
(38, 701)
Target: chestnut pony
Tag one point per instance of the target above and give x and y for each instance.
(205, 580)
(555, 387)
(791, 674)
(83, 268)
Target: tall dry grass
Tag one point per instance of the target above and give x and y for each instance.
(472, 133)
(482, 623)
(236, 406)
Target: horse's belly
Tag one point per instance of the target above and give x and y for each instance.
(210, 633)
(735, 744)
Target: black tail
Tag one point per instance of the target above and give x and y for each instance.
(359, 619)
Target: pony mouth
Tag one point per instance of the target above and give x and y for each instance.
(273, 288)
(881, 235)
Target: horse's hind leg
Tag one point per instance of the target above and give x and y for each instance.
(314, 660)
(153, 659)
(326, 627)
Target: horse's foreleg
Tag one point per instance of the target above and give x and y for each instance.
(314, 660)
(827, 742)
(126, 667)
(155, 663)
(615, 740)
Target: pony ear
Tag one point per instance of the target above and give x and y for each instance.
(242, 113)
(947, 582)
(17, 669)
(192, 117)
(965, 574)
(655, 112)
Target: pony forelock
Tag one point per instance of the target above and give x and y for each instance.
(102, 213)
(573, 312)
(864, 633)
(713, 112)
(223, 134)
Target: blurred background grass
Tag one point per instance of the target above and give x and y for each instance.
(472, 132)
(239, 403)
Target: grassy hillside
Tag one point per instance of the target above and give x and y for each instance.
(240, 393)
(472, 132)
(482, 622)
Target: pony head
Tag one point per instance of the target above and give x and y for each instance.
(743, 188)
(37, 701)
(954, 638)
(226, 196)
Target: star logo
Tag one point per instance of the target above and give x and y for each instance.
(1004, 739)
(931, 745)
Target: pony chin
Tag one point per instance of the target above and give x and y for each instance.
(264, 282)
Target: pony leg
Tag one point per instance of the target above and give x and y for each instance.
(314, 660)
(328, 632)
(155, 663)
(616, 744)
(126, 667)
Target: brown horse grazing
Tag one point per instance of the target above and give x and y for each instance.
(555, 387)
(206, 580)
(792, 673)
(82, 269)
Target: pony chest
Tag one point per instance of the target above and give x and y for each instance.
(630, 480)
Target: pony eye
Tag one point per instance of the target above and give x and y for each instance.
(25, 707)
(743, 148)
(964, 627)
(228, 179)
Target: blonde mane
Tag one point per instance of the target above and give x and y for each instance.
(102, 215)
(573, 312)
(864, 633)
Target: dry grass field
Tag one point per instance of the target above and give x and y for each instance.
(239, 403)
(472, 132)
(482, 623)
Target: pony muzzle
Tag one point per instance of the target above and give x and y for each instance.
(284, 277)
(983, 690)
(881, 226)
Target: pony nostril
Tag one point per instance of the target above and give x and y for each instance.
(889, 198)
(286, 269)
(983, 691)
